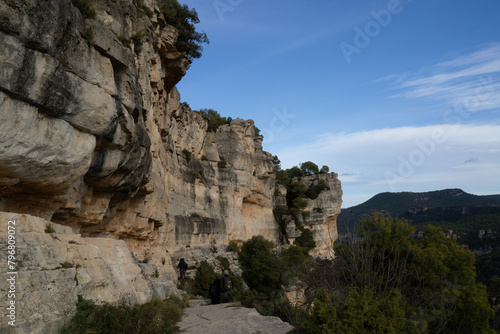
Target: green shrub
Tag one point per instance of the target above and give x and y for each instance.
(187, 284)
(233, 246)
(137, 38)
(282, 177)
(360, 312)
(205, 275)
(187, 155)
(289, 313)
(86, 7)
(313, 191)
(309, 168)
(252, 298)
(237, 292)
(262, 269)
(49, 228)
(278, 307)
(306, 240)
(89, 36)
(318, 210)
(184, 19)
(157, 316)
(213, 118)
(257, 131)
(299, 203)
(224, 264)
(294, 256)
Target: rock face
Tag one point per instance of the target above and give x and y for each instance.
(323, 212)
(94, 138)
(94, 135)
(230, 319)
(52, 269)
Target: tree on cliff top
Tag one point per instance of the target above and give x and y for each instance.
(184, 19)
(213, 118)
(309, 168)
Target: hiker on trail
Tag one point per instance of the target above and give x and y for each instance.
(182, 268)
(214, 291)
(227, 284)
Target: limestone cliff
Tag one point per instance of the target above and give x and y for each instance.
(54, 268)
(322, 212)
(94, 136)
(94, 139)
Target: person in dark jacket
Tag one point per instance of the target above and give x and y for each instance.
(227, 284)
(182, 268)
(214, 291)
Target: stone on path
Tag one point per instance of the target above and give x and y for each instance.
(230, 319)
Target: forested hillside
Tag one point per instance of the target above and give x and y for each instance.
(445, 206)
(473, 221)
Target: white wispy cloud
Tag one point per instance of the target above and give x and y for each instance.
(470, 81)
(406, 158)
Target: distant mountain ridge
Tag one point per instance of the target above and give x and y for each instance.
(447, 204)
(495, 197)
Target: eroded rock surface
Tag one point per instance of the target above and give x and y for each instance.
(322, 213)
(53, 269)
(94, 135)
(230, 319)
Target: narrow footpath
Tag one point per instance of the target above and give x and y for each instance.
(202, 317)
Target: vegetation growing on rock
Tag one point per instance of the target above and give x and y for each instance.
(86, 7)
(262, 269)
(213, 118)
(157, 316)
(184, 19)
(296, 191)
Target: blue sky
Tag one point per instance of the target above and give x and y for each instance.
(391, 95)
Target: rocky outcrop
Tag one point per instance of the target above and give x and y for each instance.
(52, 269)
(94, 135)
(322, 212)
(79, 139)
(216, 256)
